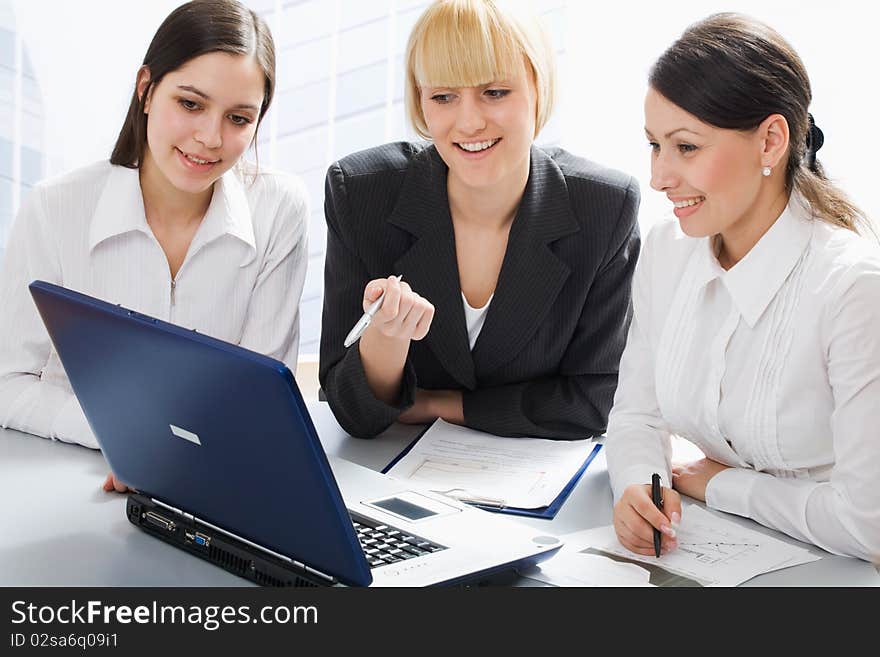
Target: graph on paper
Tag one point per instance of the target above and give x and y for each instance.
(527, 473)
(712, 551)
(477, 477)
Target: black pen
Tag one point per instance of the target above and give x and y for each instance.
(657, 497)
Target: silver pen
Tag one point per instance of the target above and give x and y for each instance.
(468, 498)
(489, 502)
(358, 329)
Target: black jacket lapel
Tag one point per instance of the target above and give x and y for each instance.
(430, 265)
(531, 275)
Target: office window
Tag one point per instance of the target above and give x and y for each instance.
(22, 162)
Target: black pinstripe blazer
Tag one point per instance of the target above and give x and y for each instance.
(546, 361)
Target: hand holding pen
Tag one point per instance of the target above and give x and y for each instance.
(638, 520)
(657, 499)
(396, 312)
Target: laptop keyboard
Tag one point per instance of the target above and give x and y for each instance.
(383, 544)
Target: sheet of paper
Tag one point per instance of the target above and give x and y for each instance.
(712, 551)
(525, 473)
(580, 569)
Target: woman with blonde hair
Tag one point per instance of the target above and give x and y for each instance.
(756, 332)
(515, 261)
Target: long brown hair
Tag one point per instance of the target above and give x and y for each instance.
(732, 72)
(193, 29)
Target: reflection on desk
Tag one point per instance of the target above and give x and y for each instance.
(61, 529)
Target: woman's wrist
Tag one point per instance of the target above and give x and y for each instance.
(446, 404)
(383, 360)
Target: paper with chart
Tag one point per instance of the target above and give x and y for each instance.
(712, 551)
(525, 473)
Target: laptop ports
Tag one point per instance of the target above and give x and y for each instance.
(156, 520)
(198, 539)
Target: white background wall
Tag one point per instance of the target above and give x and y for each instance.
(612, 44)
(85, 54)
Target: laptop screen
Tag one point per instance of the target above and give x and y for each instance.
(204, 426)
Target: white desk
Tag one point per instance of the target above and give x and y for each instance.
(60, 529)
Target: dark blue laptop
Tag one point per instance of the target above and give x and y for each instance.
(227, 465)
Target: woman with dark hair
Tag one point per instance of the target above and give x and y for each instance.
(756, 330)
(176, 225)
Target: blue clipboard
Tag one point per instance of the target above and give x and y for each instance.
(549, 512)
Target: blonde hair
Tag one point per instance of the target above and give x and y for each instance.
(469, 43)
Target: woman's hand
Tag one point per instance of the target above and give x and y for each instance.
(691, 479)
(404, 315)
(636, 517)
(384, 346)
(431, 404)
(112, 483)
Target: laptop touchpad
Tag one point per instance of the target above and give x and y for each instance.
(412, 506)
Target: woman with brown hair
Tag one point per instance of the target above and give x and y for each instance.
(175, 225)
(756, 329)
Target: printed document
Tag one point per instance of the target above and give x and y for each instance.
(524, 473)
(584, 569)
(712, 551)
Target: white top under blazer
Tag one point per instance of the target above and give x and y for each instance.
(474, 319)
(241, 280)
(772, 367)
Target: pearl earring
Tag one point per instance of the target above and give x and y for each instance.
(766, 171)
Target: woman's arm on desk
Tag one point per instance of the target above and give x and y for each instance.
(840, 515)
(371, 382)
(27, 401)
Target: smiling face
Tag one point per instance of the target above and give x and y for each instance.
(483, 133)
(712, 176)
(200, 119)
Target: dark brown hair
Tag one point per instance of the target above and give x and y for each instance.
(732, 72)
(193, 29)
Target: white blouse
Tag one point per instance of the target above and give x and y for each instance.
(772, 367)
(474, 319)
(241, 280)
